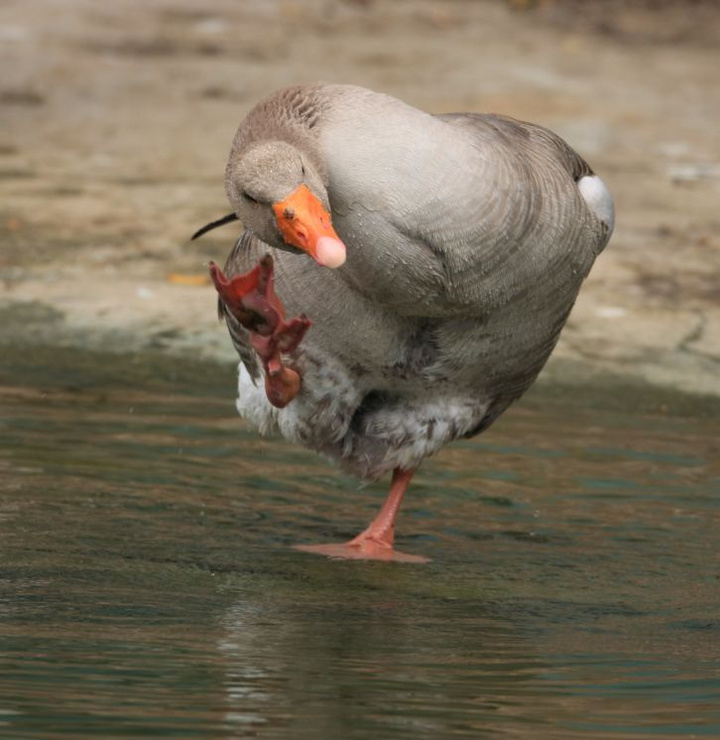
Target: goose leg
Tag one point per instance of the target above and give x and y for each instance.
(376, 541)
(251, 299)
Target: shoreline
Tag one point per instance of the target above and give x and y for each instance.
(118, 120)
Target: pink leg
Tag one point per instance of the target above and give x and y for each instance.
(375, 542)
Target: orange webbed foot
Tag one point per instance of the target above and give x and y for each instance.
(252, 300)
(367, 550)
(376, 541)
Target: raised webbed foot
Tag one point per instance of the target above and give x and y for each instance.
(251, 299)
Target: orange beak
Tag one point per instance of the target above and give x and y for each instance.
(305, 224)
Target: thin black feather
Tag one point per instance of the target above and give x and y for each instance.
(214, 225)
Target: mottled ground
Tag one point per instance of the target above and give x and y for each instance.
(116, 120)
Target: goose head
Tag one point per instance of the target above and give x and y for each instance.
(277, 192)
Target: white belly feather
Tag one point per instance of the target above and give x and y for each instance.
(400, 432)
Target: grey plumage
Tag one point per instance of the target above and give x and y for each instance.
(467, 239)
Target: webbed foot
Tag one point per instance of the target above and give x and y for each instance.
(376, 541)
(252, 300)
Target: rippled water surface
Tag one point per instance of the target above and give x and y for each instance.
(149, 587)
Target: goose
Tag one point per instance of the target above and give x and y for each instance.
(401, 278)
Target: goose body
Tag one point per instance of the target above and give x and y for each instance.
(467, 239)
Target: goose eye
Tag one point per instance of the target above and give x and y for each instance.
(249, 198)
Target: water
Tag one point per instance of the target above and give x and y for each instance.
(149, 588)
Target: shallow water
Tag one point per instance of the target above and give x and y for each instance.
(149, 588)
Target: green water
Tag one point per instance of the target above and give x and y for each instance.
(149, 588)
